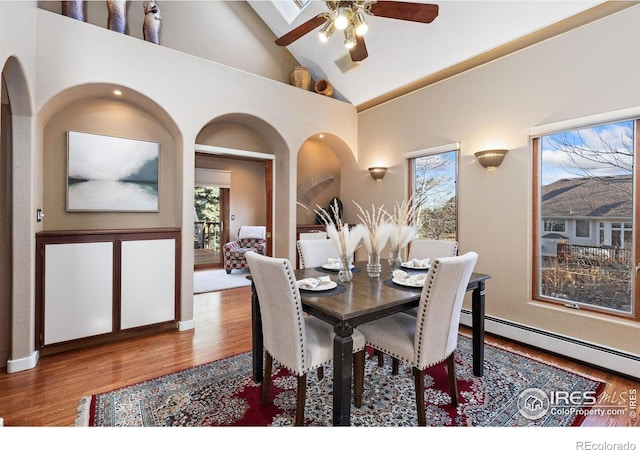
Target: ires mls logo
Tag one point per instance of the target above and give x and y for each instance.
(534, 403)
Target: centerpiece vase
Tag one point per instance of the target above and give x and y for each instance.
(395, 259)
(344, 274)
(373, 265)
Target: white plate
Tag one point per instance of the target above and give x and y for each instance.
(406, 283)
(320, 287)
(408, 265)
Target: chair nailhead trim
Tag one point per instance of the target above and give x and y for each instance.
(299, 318)
(432, 273)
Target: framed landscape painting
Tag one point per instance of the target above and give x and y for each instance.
(106, 173)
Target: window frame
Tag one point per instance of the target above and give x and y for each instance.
(600, 228)
(411, 158)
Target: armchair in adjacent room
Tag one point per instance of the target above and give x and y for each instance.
(250, 238)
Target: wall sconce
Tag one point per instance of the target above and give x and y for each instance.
(490, 159)
(377, 173)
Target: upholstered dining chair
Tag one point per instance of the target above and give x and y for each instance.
(423, 249)
(297, 342)
(316, 252)
(432, 336)
(431, 248)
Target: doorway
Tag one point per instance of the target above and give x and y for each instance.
(211, 213)
(250, 203)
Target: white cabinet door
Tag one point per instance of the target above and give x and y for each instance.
(78, 290)
(148, 282)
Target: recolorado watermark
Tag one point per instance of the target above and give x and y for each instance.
(534, 403)
(590, 445)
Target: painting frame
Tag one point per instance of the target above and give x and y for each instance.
(111, 174)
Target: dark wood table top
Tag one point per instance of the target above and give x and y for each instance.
(364, 299)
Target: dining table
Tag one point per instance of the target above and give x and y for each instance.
(352, 303)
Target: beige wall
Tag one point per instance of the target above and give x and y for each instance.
(202, 29)
(590, 70)
(108, 118)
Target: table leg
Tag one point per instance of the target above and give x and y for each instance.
(256, 337)
(477, 321)
(342, 374)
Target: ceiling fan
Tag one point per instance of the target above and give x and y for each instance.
(349, 16)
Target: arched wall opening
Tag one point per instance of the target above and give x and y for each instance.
(257, 153)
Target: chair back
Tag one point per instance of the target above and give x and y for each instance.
(283, 326)
(316, 252)
(252, 232)
(431, 248)
(438, 316)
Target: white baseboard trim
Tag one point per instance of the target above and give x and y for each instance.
(184, 325)
(593, 354)
(18, 365)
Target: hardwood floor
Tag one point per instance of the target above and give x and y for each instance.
(48, 395)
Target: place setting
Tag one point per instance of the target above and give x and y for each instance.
(401, 279)
(333, 265)
(319, 286)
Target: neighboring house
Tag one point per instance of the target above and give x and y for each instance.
(592, 212)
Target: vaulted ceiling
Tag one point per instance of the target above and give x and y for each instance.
(405, 55)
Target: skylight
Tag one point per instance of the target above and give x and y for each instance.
(290, 9)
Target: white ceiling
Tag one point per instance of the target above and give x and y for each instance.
(401, 52)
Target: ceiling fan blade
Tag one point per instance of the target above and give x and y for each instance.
(415, 12)
(359, 52)
(301, 30)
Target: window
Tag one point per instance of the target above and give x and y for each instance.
(554, 225)
(582, 228)
(585, 179)
(433, 188)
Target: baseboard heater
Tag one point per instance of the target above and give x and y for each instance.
(608, 359)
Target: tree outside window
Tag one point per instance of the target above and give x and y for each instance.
(434, 195)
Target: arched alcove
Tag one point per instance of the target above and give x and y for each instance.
(109, 115)
(320, 162)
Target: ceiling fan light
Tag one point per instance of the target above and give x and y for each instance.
(349, 37)
(342, 18)
(360, 24)
(327, 30)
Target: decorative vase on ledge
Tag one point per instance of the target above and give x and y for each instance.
(324, 87)
(300, 77)
(73, 9)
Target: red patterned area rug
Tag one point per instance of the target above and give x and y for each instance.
(222, 393)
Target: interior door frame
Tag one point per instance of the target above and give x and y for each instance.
(225, 197)
(269, 168)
